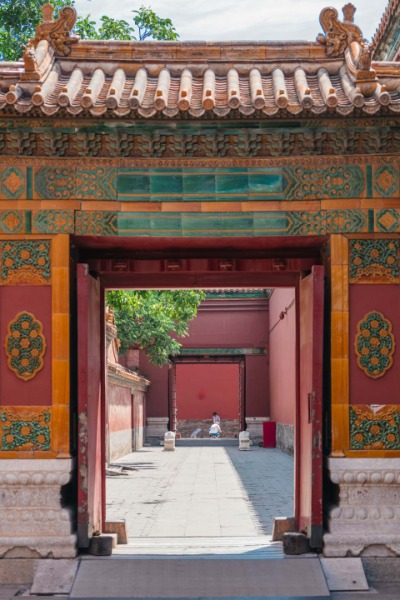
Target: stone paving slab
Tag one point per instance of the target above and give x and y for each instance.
(344, 574)
(199, 578)
(379, 591)
(202, 492)
(8, 591)
(54, 576)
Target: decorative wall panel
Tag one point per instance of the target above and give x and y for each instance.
(12, 221)
(12, 183)
(374, 344)
(53, 221)
(25, 262)
(374, 261)
(25, 345)
(386, 181)
(55, 183)
(96, 223)
(374, 427)
(25, 430)
(35, 138)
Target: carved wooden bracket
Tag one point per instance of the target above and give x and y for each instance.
(338, 34)
(57, 33)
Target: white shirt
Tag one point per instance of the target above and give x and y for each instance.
(215, 428)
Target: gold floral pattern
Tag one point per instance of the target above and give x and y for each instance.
(375, 430)
(374, 261)
(25, 262)
(28, 430)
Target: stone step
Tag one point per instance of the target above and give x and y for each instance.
(198, 442)
(193, 579)
(249, 547)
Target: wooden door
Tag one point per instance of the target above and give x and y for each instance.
(311, 313)
(90, 459)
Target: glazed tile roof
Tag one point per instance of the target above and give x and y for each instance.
(60, 73)
(385, 26)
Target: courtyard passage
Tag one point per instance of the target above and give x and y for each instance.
(201, 491)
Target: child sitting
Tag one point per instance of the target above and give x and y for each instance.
(215, 430)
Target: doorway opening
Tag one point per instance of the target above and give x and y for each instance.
(235, 364)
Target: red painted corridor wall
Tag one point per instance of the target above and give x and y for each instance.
(203, 389)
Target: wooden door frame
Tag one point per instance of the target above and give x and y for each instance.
(162, 280)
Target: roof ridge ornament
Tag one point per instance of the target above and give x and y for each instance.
(56, 32)
(348, 11)
(339, 34)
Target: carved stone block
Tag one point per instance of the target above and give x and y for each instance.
(254, 426)
(157, 427)
(366, 520)
(33, 523)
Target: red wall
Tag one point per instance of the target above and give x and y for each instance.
(230, 324)
(364, 299)
(119, 400)
(157, 394)
(282, 357)
(203, 389)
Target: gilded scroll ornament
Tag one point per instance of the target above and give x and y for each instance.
(374, 261)
(58, 32)
(338, 34)
(371, 430)
(25, 345)
(374, 344)
(25, 262)
(25, 431)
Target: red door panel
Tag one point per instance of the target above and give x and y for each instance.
(89, 407)
(309, 509)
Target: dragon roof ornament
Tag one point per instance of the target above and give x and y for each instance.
(56, 32)
(339, 34)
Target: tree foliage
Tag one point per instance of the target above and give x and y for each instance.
(19, 19)
(146, 24)
(150, 25)
(153, 319)
(18, 22)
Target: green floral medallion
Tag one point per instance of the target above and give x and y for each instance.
(25, 345)
(374, 344)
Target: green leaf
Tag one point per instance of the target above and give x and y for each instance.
(19, 19)
(153, 319)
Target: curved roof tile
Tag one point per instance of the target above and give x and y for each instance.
(174, 80)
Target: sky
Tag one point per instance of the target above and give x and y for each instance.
(212, 20)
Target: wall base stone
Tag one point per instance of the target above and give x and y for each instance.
(381, 570)
(20, 571)
(254, 425)
(157, 427)
(33, 524)
(120, 443)
(366, 521)
(230, 427)
(285, 438)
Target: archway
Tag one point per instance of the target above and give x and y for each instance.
(171, 265)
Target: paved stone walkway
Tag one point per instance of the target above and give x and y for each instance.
(201, 492)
